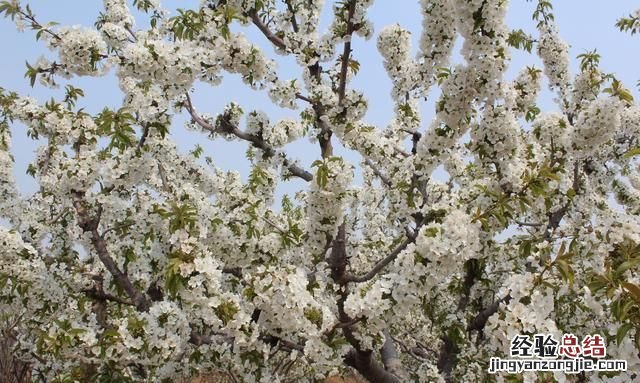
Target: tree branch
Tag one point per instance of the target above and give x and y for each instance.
(304, 98)
(344, 324)
(294, 23)
(94, 293)
(346, 52)
(556, 217)
(481, 319)
(366, 365)
(357, 358)
(199, 339)
(338, 261)
(530, 224)
(256, 141)
(388, 259)
(277, 41)
(235, 271)
(389, 356)
(385, 180)
(90, 224)
(448, 357)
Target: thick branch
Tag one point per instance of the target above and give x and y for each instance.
(95, 293)
(90, 224)
(358, 358)
(338, 259)
(448, 357)
(366, 365)
(338, 263)
(143, 137)
(277, 41)
(389, 356)
(235, 271)
(481, 319)
(138, 299)
(556, 217)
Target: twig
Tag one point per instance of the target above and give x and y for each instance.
(59, 216)
(36, 25)
(532, 224)
(143, 138)
(304, 98)
(387, 260)
(117, 227)
(133, 35)
(343, 325)
(385, 180)
(346, 52)
(163, 177)
(294, 23)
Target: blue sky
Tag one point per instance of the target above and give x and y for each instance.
(584, 24)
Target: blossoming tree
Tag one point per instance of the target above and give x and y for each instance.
(403, 277)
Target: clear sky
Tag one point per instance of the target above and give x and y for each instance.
(584, 24)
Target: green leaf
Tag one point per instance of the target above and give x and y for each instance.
(9, 8)
(598, 283)
(626, 265)
(143, 5)
(561, 251)
(31, 74)
(520, 40)
(589, 60)
(314, 316)
(31, 170)
(442, 73)
(632, 153)
(197, 151)
(110, 333)
(618, 90)
(354, 65)
(622, 332)
(226, 311)
(187, 24)
(629, 24)
(322, 174)
(565, 270)
(71, 95)
(77, 331)
(532, 112)
(117, 126)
